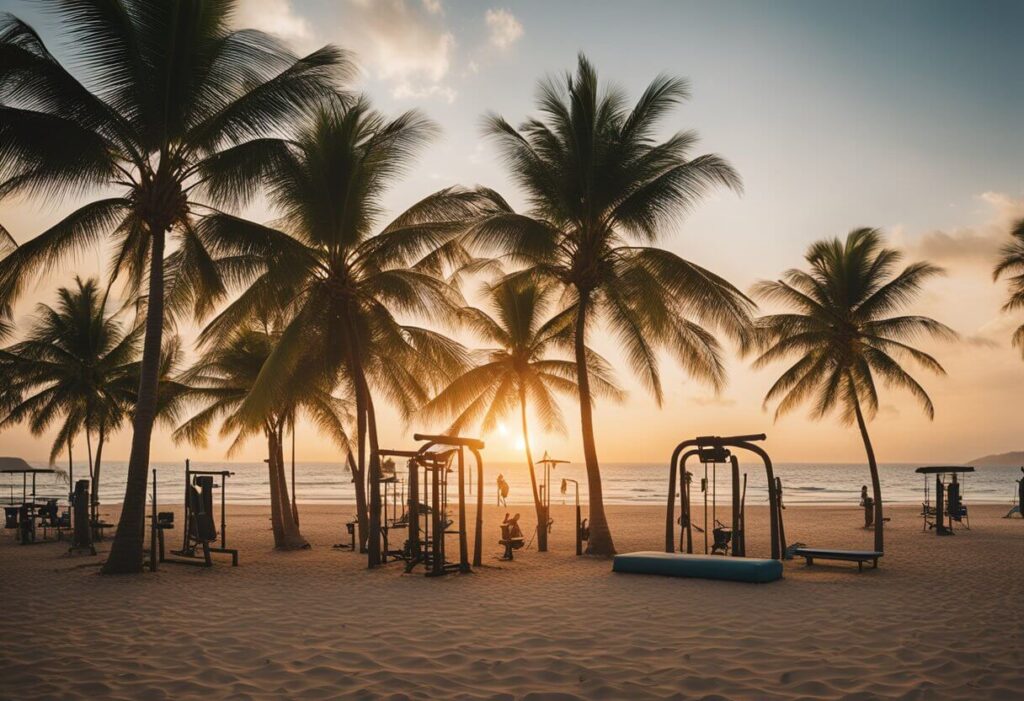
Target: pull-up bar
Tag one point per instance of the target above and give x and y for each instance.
(471, 443)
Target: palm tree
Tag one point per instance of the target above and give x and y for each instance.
(342, 281)
(515, 371)
(173, 104)
(842, 335)
(80, 363)
(7, 244)
(600, 185)
(220, 383)
(1011, 263)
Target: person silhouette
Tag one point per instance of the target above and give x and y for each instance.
(502, 491)
(869, 507)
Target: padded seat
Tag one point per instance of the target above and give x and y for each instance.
(736, 569)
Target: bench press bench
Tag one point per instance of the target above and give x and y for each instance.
(858, 556)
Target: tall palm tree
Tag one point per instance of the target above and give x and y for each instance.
(341, 281)
(601, 185)
(79, 363)
(220, 382)
(172, 104)
(68, 369)
(516, 371)
(842, 334)
(1011, 263)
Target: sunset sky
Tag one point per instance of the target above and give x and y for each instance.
(907, 116)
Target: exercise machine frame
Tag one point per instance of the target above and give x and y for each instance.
(709, 449)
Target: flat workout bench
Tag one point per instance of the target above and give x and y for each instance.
(858, 556)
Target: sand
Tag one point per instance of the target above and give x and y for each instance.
(940, 619)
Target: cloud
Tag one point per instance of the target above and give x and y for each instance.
(404, 91)
(710, 400)
(974, 245)
(504, 28)
(404, 44)
(279, 18)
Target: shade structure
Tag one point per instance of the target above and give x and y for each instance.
(943, 469)
(17, 465)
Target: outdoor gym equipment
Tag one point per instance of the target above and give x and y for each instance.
(949, 507)
(200, 530)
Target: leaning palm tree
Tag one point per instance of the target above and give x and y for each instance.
(171, 103)
(601, 188)
(341, 282)
(220, 382)
(515, 371)
(79, 365)
(842, 334)
(1011, 262)
(7, 245)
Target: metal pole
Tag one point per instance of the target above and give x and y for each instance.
(437, 536)
(478, 539)
(153, 529)
(184, 536)
(737, 548)
(463, 531)
(579, 521)
(223, 511)
(670, 511)
(705, 508)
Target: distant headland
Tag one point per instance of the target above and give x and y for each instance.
(1015, 457)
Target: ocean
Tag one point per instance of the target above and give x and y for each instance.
(624, 483)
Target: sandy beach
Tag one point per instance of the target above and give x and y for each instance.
(937, 620)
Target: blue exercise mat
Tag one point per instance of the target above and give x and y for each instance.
(736, 569)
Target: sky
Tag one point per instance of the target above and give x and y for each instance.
(906, 116)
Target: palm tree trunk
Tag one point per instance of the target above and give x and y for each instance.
(95, 498)
(275, 488)
(295, 504)
(127, 551)
(359, 475)
(366, 423)
(542, 513)
(359, 482)
(374, 555)
(92, 472)
(600, 542)
(876, 485)
(293, 539)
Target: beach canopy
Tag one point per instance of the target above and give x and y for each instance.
(944, 469)
(18, 466)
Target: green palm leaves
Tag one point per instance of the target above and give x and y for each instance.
(846, 328)
(519, 339)
(1011, 265)
(220, 383)
(344, 283)
(601, 188)
(77, 364)
(169, 93)
(516, 371)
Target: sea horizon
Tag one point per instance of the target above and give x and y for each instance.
(322, 482)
